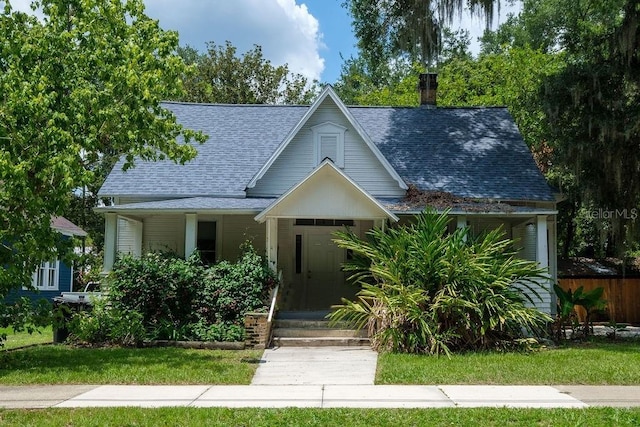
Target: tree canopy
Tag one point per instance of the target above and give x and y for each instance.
(221, 76)
(570, 74)
(591, 104)
(84, 80)
(388, 29)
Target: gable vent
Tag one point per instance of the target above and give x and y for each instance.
(328, 142)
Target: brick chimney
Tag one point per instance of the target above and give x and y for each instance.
(428, 87)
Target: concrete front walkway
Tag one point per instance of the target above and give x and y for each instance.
(316, 366)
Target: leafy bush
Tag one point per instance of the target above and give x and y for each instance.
(427, 291)
(107, 325)
(201, 331)
(231, 290)
(160, 286)
(184, 300)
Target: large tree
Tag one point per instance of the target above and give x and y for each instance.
(84, 79)
(224, 77)
(592, 106)
(413, 29)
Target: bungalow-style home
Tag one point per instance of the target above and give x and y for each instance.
(54, 276)
(287, 177)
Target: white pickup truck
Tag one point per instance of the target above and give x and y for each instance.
(91, 292)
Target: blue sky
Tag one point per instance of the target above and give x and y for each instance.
(309, 35)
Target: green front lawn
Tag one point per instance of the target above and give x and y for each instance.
(321, 417)
(21, 339)
(67, 365)
(596, 363)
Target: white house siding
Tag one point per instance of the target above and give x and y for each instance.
(126, 238)
(297, 160)
(236, 229)
(525, 238)
(164, 233)
(483, 225)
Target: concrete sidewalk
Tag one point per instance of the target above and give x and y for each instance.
(320, 396)
(336, 377)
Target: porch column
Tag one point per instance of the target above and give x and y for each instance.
(190, 234)
(272, 243)
(110, 240)
(542, 246)
(461, 223)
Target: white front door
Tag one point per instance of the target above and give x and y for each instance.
(324, 280)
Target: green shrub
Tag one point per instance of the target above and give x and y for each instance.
(161, 287)
(216, 332)
(184, 300)
(425, 290)
(107, 325)
(232, 289)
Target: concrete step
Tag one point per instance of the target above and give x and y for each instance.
(308, 324)
(318, 333)
(320, 342)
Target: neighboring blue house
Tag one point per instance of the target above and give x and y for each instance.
(55, 276)
(289, 176)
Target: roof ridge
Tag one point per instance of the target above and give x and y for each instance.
(214, 104)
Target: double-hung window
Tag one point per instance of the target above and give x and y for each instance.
(45, 277)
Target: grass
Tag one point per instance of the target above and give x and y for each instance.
(20, 339)
(60, 364)
(595, 363)
(320, 417)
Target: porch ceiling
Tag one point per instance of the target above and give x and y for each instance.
(326, 193)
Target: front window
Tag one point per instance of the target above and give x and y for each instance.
(207, 241)
(46, 276)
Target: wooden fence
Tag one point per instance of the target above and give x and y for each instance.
(622, 296)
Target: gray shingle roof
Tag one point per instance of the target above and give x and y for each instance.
(196, 204)
(471, 152)
(242, 138)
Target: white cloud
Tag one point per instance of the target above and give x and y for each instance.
(287, 32)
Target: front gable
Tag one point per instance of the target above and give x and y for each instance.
(326, 192)
(327, 130)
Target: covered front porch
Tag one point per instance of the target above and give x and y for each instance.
(300, 227)
(296, 232)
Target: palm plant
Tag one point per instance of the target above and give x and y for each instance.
(425, 290)
(569, 299)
